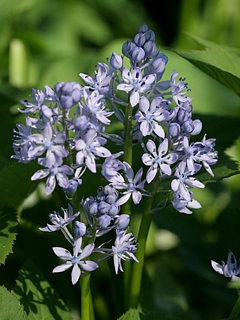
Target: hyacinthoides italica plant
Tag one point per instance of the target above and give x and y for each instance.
(68, 132)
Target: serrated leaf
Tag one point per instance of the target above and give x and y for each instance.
(38, 297)
(221, 65)
(16, 184)
(10, 307)
(213, 45)
(8, 231)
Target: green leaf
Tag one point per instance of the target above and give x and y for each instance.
(136, 314)
(38, 297)
(16, 184)
(10, 307)
(213, 45)
(221, 65)
(8, 231)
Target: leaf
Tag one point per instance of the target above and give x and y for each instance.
(136, 314)
(213, 45)
(8, 231)
(15, 183)
(38, 297)
(221, 65)
(10, 307)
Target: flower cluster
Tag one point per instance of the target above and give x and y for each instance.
(67, 133)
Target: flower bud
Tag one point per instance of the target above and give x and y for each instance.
(79, 229)
(122, 221)
(103, 207)
(104, 221)
(113, 210)
(116, 61)
(173, 130)
(138, 54)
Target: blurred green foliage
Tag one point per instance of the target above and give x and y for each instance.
(44, 42)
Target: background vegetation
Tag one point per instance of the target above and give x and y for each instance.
(44, 42)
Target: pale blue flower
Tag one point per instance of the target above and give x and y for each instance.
(101, 80)
(59, 222)
(151, 115)
(183, 181)
(231, 269)
(75, 260)
(38, 98)
(90, 147)
(58, 172)
(135, 83)
(158, 159)
(182, 205)
(123, 249)
(52, 144)
(134, 185)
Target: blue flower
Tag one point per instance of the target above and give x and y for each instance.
(134, 185)
(135, 83)
(123, 249)
(75, 260)
(59, 222)
(231, 269)
(158, 161)
(90, 147)
(58, 172)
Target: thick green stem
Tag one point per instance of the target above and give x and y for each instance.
(236, 310)
(87, 312)
(137, 268)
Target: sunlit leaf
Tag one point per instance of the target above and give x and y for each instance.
(38, 297)
(10, 307)
(221, 65)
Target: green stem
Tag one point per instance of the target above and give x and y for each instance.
(87, 312)
(236, 310)
(137, 269)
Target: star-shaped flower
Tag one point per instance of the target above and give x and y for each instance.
(75, 260)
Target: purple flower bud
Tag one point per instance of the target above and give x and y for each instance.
(143, 28)
(122, 221)
(79, 229)
(81, 123)
(197, 127)
(116, 61)
(73, 185)
(138, 55)
(173, 130)
(46, 112)
(113, 210)
(150, 35)
(104, 221)
(93, 208)
(150, 49)
(140, 39)
(187, 126)
(109, 189)
(111, 198)
(182, 116)
(103, 207)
